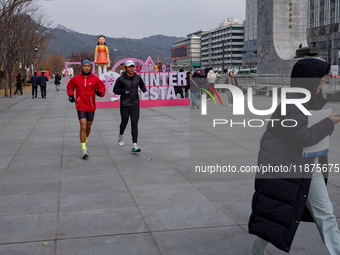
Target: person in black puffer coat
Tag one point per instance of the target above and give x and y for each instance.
(279, 204)
(19, 84)
(57, 81)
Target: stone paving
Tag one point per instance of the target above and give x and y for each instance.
(118, 202)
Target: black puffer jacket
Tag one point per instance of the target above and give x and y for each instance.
(19, 81)
(278, 204)
(127, 87)
(57, 79)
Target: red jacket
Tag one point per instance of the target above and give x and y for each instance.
(85, 91)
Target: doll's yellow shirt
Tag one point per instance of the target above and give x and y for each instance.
(106, 48)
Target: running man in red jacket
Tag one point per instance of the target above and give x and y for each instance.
(87, 86)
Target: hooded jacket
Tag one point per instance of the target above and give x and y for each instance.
(57, 79)
(279, 204)
(85, 87)
(19, 81)
(127, 88)
(211, 77)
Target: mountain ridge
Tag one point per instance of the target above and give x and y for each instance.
(66, 41)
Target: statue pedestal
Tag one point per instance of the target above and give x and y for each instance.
(281, 28)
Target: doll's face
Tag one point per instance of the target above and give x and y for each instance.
(101, 40)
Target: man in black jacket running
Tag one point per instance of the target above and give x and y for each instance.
(127, 87)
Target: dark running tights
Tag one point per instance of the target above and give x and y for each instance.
(133, 113)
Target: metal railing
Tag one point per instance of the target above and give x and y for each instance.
(263, 84)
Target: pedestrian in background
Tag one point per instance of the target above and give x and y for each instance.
(42, 81)
(187, 87)
(57, 82)
(34, 82)
(195, 90)
(179, 89)
(232, 81)
(211, 79)
(19, 84)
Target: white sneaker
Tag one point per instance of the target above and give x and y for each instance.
(230, 105)
(209, 98)
(135, 148)
(197, 106)
(85, 154)
(120, 140)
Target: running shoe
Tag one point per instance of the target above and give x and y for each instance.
(120, 140)
(197, 106)
(85, 154)
(135, 148)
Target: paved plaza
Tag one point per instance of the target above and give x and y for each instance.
(117, 202)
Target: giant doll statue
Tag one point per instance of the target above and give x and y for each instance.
(101, 55)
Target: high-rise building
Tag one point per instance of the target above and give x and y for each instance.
(249, 52)
(323, 28)
(222, 47)
(186, 53)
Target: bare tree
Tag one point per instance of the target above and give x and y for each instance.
(55, 63)
(22, 31)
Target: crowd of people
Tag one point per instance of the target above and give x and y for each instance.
(199, 81)
(37, 82)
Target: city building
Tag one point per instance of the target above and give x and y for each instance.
(249, 52)
(323, 28)
(222, 47)
(186, 53)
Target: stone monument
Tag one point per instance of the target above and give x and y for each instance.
(281, 31)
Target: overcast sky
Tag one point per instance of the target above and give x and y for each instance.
(142, 18)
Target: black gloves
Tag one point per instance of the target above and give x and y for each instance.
(97, 92)
(71, 99)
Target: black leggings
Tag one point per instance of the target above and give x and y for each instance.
(43, 91)
(133, 112)
(34, 90)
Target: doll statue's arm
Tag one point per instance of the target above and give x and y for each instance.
(108, 55)
(95, 54)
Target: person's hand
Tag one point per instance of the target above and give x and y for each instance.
(97, 92)
(71, 99)
(335, 118)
